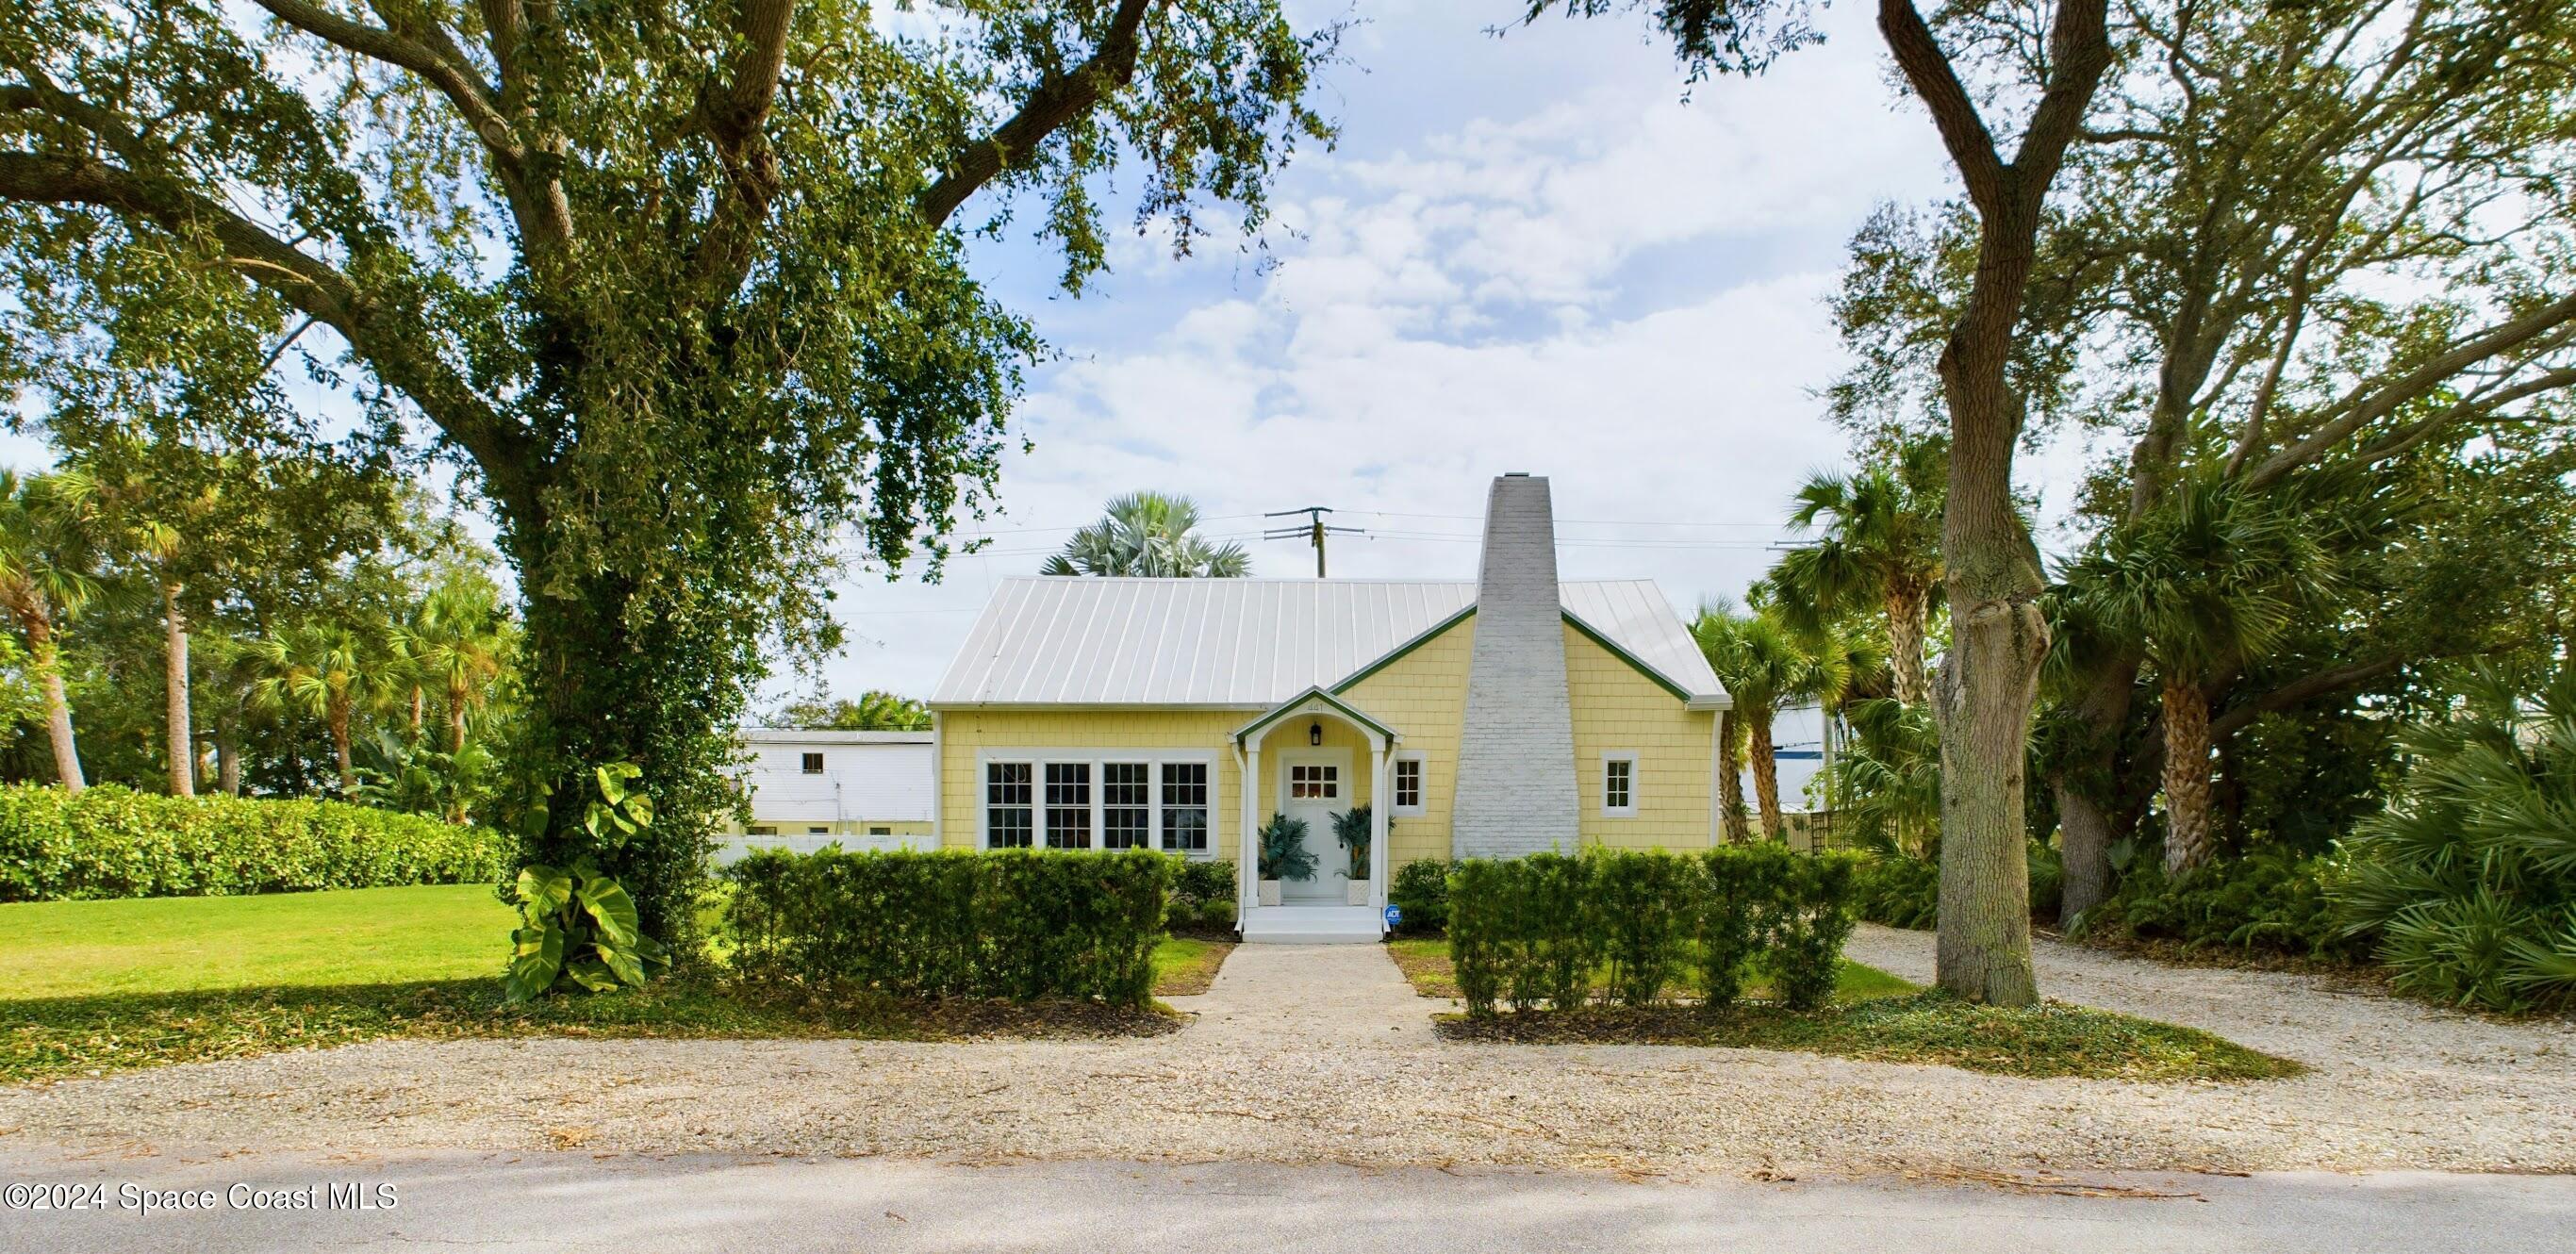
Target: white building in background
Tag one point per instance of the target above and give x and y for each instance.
(859, 790)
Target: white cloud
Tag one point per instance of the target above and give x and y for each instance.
(1600, 284)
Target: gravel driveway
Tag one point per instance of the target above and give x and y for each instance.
(1324, 1055)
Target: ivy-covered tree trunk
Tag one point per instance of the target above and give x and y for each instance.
(2086, 827)
(2186, 777)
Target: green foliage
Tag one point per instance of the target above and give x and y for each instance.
(1284, 855)
(874, 711)
(577, 929)
(1421, 892)
(2271, 901)
(107, 841)
(1203, 893)
(1020, 924)
(1897, 890)
(1351, 830)
(1149, 534)
(1886, 780)
(1541, 930)
(2468, 879)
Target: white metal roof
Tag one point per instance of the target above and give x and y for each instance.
(1250, 642)
(804, 736)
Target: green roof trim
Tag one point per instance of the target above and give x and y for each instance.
(1344, 708)
(1399, 652)
(1631, 659)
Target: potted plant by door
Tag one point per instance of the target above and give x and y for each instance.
(1351, 830)
(1284, 856)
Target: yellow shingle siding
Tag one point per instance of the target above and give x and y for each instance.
(963, 734)
(1423, 696)
(1618, 710)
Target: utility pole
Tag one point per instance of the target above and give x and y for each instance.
(1313, 530)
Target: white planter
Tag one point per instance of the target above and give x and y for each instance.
(1270, 892)
(1359, 892)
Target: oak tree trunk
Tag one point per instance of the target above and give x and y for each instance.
(2086, 828)
(1905, 645)
(227, 762)
(1766, 774)
(2186, 778)
(182, 732)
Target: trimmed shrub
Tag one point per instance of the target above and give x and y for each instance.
(1202, 895)
(1810, 918)
(1421, 891)
(1898, 891)
(1020, 924)
(1542, 930)
(1642, 906)
(109, 842)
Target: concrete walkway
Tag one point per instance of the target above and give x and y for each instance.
(1267, 996)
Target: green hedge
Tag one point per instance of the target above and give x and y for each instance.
(1421, 893)
(1202, 895)
(114, 842)
(1018, 923)
(1549, 929)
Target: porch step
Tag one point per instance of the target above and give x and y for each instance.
(1312, 925)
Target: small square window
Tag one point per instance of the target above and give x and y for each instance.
(880, 831)
(1619, 784)
(1407, 785)
(764, 829)
(813, 764)
(818, 830)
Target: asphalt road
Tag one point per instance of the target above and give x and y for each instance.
(574, 1202)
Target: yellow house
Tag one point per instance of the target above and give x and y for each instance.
(1488, 719)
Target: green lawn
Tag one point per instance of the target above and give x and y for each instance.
(94, 986)
(184, 944)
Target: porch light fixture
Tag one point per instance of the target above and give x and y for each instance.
(1315, 733)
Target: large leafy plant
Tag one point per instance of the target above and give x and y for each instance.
(1352, 831)
(1284, 855)
(577, 926)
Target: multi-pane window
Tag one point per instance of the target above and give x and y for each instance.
(1068, 805)
(813, 764)
(1185, 807)
(1619, 784)
(1126, 805)
(1408, 784)
(1320, 783)
(1009, 817)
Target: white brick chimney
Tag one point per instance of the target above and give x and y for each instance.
(1516, 751)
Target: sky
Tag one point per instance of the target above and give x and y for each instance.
(1525, 253)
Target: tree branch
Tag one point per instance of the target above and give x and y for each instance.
(1056, 102)
(305, 282)
(1963, 129)
(2299, 691)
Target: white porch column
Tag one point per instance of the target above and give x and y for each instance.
(1380, 800)
(1247, 848)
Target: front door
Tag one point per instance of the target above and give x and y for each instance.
(1315, 786)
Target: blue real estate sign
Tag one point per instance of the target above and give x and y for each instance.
(1395, 916)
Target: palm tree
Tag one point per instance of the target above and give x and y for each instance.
(1878, 551)
(2206, 584)
(320, 670)
(1719, 631)
(458, 640)
(1767, 666)
(1148, 533)
(48, 553)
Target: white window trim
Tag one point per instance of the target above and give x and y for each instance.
(1628, 811)
(1422, 782)
(1038, 760)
